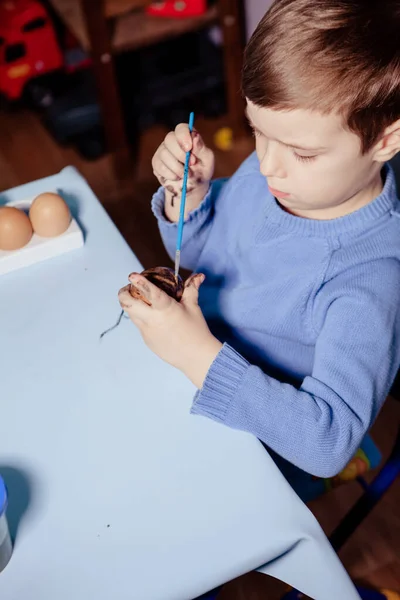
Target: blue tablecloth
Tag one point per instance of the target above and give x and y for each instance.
(128, 496)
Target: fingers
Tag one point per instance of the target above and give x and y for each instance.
(171, 161)
(204, 157)
(137, 310)
(198, 144)
(165, 166)
(173, 145)
(192, 286)
(125, 299)
(155, 297)
(184, 137)
(200, 150)
(138, 295)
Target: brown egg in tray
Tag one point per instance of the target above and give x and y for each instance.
(34, 230)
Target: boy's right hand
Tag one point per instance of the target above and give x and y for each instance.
(168, 166)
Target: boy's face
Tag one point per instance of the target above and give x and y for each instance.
(313, 165)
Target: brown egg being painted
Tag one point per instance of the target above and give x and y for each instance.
(165, 279)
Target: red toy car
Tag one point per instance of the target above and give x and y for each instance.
(178, 8)
(28, 45)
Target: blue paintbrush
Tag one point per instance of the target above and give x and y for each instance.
(183, 202)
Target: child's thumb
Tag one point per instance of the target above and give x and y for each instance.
(192, 286)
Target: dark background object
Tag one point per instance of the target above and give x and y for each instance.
(106, 38)
(158, 85)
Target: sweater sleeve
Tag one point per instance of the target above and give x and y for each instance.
(197, 225)
(319, 426)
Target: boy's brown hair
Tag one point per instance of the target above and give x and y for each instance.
(330, 56)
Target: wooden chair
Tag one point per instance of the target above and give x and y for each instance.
(110, 27)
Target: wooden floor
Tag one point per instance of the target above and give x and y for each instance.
(27, 152)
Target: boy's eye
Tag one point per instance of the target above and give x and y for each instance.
(301, 158)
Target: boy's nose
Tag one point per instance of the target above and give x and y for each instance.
(271, 165)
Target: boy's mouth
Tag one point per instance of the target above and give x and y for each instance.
(278, 193)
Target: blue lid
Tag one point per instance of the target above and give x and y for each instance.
(3, 496)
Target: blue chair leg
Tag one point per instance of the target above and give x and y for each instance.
(372, 494)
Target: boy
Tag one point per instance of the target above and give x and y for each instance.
(296, 336)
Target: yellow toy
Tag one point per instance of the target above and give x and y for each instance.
(223, 139)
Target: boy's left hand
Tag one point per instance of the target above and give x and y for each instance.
(176, 331)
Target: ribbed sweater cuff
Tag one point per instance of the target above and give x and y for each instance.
(223, 380)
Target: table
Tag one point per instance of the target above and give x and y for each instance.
(117, 491)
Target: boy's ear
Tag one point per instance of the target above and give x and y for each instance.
(389, 144)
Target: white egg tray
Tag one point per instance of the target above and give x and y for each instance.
(39, 248)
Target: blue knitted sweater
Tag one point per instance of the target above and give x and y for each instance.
(308, 311)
